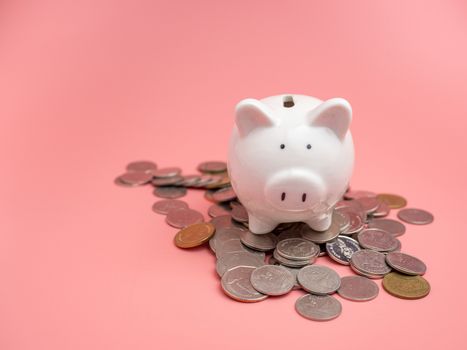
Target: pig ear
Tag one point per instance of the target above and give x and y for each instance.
(251, 114)
(334, 114)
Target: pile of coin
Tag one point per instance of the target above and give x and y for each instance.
(254, 267)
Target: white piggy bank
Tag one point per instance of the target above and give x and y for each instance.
(290, 159)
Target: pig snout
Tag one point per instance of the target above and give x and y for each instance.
(294, 190)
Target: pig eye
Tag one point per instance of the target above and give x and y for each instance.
(308, 146)
(282, 146)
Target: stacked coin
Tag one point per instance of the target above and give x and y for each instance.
(252, 267)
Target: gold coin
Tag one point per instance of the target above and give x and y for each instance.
(392, 200)
(194, 235)
(406, 287)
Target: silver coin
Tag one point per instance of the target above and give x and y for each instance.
(352, 205)
(405, 263)
(341, 249)
(356, 223)
(224, 194)
(342, 220)
(358, 288)
(217, 210)
(415, 216)
(263, 242)
(320, 236)
(170, 192)
(369, 204)
(272, 280)
(293, 270)
(382, 210)
(224, 234)
(207, 180)
(395, 228)
(225, 221)
(358, 194)
(190, 180)
(232, 245)
(297, 249)
(165, 205)
(229, 261)
(291, 263)
(167, 181)
(319, 279)
(135, 178)
(376, 239)
(236, 284)
(318, 307)
(212, 167)
(369, 263)
(322, 249)
(183, 217)
(239, 213)
(144, 166)
(290, 233)
(167, 172)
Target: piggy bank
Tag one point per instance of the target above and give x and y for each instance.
(290, 159)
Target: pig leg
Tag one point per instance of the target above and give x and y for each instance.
(260, 226)
(320, 224)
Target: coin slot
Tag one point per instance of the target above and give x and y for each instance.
(288, 101)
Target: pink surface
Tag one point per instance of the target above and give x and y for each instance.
(86, 87)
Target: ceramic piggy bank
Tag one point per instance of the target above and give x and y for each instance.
(290, 159)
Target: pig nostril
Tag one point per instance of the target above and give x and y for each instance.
(303, 197)
(283, 196)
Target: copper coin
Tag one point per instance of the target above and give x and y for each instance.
(182, 217)
(144, 166)
(369, 263)
(237, 285)
(393, 200)
(405, 263)
(165, 205)
(224, 194)
(391, 226)
(194, 235)
(212, 167)
(358, 288)
(318, 307)
(406, 287)
(167, 172)
(135, 178)
(376, 239)
(170, 192)
(415, 216)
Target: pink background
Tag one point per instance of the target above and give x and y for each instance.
(87, 86)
